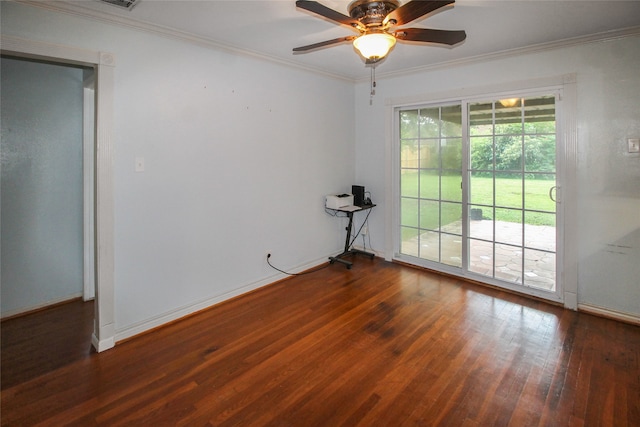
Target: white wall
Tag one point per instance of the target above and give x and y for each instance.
(41, 185)
(238, 154)
(608, 89)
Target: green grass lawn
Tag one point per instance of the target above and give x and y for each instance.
(508, 199)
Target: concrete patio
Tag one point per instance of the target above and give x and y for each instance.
(535, 269)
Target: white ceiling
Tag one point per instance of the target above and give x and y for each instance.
(272, 28)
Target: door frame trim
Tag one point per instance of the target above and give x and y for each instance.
(568, 191)
(104, 65)
(88, 185)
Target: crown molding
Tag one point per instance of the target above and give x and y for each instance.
(575, 41)
(73, 8)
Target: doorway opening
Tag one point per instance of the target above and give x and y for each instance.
(47, 184)
(103, 64)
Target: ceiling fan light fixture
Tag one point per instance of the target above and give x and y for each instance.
(374, 45)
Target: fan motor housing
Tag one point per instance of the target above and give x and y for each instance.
(372, 13)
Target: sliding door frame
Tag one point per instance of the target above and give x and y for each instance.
(566, 272)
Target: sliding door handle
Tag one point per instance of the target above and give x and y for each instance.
(551, 191)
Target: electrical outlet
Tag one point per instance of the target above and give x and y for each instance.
(268, 255)
(634, 145)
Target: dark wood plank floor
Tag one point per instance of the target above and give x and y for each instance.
(43, 341)
(378, 345)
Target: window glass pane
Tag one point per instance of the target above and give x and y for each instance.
(452, 154)
(540, 153)
(430, 246)
(409, 124)
(409, 212)
(480, 188)
(540, 231)
(452, 121)
(506, 105)
(451, 218)
(409, 183)
(508, 150)
(540, 127)
(509, 190)
(429, 154)
(540, 115)
(409, 154)
(451, 249)
(481, 222)
(452, 186)
(430, 184)
(539, 269)
(509, 128)
(430, 123)
(508, 263)
(537, 189)
(481, 119)
(508, 116)
(481, 148)
(508, 226)
(481, 257)
(410, 241)
(429, 214)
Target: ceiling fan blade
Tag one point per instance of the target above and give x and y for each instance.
(323, 44)
(319, 9)
(414, 10)
(449, 37)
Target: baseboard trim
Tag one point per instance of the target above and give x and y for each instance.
(188, 310)
(180, 313)
(103, 345)
(34, 309)
(610, 314)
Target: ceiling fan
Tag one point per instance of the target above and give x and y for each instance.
(376, 22)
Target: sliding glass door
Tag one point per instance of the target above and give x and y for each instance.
(431, 184)
(512, 179)
(477, 190)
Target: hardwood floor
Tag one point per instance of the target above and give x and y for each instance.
(43, 341)
(378, 345)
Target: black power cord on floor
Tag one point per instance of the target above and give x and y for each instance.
(295, 274)
(332, 213)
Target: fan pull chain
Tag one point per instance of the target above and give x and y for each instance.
(373, 83)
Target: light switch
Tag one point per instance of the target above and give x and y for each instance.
(634, 145)
(139, 164)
